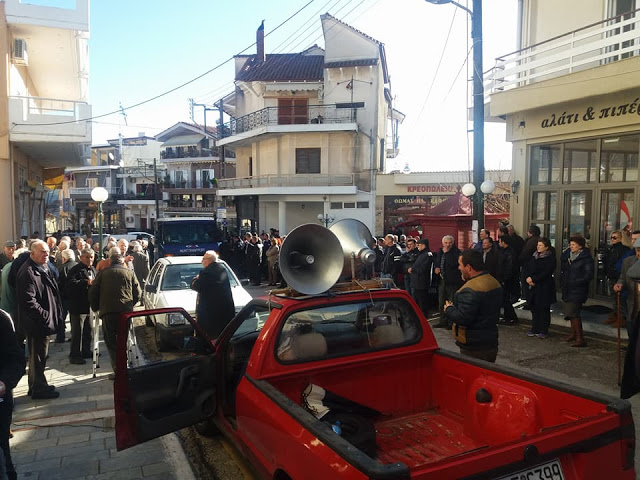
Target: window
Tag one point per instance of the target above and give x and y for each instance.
(307, 160)
(92, 182)
(293, 111)
(349, 205)
(362, 204)
(580, 162)
(336, 205)
(347, 329)
(619, 159)
(546, 164)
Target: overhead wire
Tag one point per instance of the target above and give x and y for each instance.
(167, 92)
(292, 38)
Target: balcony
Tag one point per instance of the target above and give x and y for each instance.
(25, 13)
(87, 190)
(298, 180)
(311, 118)
(191, 184)
(36, 123)
(600, 44)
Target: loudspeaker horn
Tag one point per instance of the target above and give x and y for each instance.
(355, 239)
(311, 259)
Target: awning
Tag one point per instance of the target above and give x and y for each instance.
(183, 140)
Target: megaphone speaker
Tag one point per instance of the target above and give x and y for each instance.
(356, 240)
(311, 259)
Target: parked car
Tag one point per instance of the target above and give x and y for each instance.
(169, 285)
(134, 236)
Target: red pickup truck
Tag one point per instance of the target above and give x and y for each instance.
(441, 415)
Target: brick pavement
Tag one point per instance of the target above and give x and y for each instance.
(72, 437)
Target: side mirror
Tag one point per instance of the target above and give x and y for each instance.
(150, 288)
(244, 282)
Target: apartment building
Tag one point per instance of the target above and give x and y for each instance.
(309, 131)
(43, 106)
(570, 98)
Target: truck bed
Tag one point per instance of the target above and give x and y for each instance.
(421, 439)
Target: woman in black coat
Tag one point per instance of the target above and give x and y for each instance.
(420, 273)
(542, 289)
(576, 271)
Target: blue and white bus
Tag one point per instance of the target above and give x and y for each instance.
(186, 236)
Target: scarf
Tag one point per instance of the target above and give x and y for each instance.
(574, 255)
(544, 254)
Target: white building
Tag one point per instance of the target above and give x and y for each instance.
(308, 130)
(43, 106)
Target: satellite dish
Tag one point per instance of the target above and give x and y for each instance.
(111, 157)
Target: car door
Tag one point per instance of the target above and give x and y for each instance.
(158, 393)
(151, 294)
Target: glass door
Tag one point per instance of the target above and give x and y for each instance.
(616, 210)
(577, 217)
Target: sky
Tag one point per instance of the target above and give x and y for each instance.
(143, 48)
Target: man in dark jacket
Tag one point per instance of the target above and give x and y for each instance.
(406, 261)
(613, 266)
(11, 371)
(507, 276)
(79, 279)
(40, 313)
(252, 256)
(69, 261)
(390, 258)
(420, 272)
(215, 308)
(490, 256)
(114, 291)
(473, 314)
(446, 267)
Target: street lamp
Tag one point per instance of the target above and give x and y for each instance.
(100, 195)
(326, 219)
(469, 190)
(478, 102)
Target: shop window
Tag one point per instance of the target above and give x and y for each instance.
(580, 162)
(307, 160)
(546, 164)
(544, 207)
(619, 159)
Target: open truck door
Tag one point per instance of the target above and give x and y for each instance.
(158, 393)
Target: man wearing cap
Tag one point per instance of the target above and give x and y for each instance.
(626, 285)
(7, 253)
(420, 272)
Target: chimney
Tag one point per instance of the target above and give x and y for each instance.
(260, 43)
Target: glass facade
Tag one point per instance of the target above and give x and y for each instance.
(585, 187)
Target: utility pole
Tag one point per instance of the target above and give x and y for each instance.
(155, 194)
(478, 112)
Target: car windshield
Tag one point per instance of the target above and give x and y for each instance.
(180, 276)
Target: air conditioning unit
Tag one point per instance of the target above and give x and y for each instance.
(19, 55)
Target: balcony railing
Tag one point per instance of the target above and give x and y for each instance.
(174, 153)
(37, 116)
(298, 180)
(311, 114)
(87, 190)
(191, 184)
(596, 44)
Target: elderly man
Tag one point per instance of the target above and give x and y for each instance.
(7, 254)
(473, 314)
(390, 258)
(79, 279)
(62, 246)
(626, 285)
(445, 267)
(215, 307)
(114, 291)
(140, 262)
(40, 313)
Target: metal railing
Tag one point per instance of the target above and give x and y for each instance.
(298, 115)
(87, 190)
(297, 180)
(191, 184)
(49, 106)
(599, 43)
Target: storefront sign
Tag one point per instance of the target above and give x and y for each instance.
(591, 113)
(432, 188)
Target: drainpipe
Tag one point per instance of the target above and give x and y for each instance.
(519, 25)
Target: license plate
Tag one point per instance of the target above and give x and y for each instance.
(547, 471)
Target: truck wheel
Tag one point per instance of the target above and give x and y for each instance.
(148, 322)
(160, 344)
(207, 428)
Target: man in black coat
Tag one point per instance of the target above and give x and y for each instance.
(420, 272)
(613, 266)
(215, 307)
(391, 258)
(40, 313)
(446, 267)
(11, 371)
(530, 245)
(507, 275)
(79, 279)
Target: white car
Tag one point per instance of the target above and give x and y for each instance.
(169, 285)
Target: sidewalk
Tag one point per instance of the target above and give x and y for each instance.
(73, 436)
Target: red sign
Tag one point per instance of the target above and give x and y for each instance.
(432, 188)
